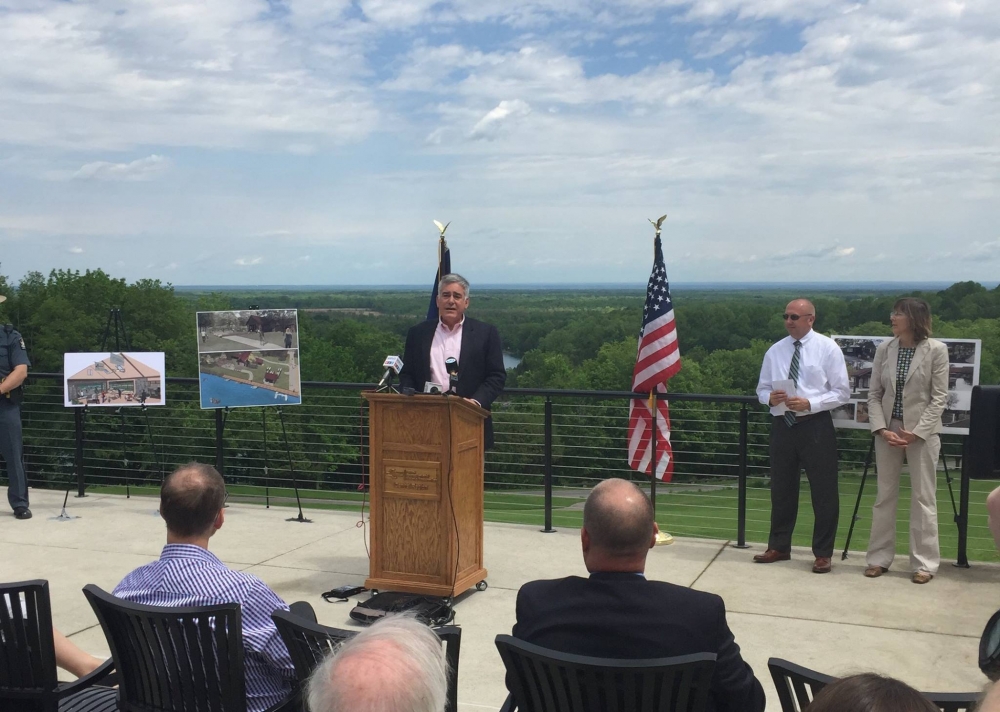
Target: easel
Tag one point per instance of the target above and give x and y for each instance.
(115, 318)
(301, 518)
(116, 321)
(861, 489)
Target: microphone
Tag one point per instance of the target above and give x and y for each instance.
(451, 366)
(393, 365)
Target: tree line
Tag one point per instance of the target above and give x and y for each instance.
(568, 339)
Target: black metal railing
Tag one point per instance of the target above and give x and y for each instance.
(551, 447)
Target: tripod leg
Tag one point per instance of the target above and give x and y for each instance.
(291, 467)
(152, 445)
(857, 503)
(947, 477)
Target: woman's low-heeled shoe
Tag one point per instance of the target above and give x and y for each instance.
(921, 577)
(875, 571)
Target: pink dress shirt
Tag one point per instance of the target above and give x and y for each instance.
(447, 343)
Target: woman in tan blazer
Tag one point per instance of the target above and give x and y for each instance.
(908, 394)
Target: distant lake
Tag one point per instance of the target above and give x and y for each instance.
(510, 361)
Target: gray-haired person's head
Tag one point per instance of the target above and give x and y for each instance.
(454, 279)
(396, 665)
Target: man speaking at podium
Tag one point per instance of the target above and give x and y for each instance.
(479, 374)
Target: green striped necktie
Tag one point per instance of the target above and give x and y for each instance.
(793, 374)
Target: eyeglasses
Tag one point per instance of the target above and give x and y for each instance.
(896, 315)
(794, 317)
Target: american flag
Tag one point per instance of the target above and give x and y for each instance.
(658, 360)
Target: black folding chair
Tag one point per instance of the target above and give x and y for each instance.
(309, 642)
(175, 659)
(954, 701)
(797, 686)
(28, 677)
(543, 680)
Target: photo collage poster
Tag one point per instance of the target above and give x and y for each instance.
(249, 358)
(113, 379)
(963, 374)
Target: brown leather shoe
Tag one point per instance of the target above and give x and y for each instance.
(875, 571)
(921, 576)
(770, 556)
(822, 565)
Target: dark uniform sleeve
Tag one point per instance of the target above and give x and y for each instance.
(18, 353)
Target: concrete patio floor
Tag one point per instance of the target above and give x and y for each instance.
(837, 623)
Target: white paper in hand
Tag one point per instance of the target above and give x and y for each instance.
(788, 386)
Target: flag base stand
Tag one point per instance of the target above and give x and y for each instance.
(663, 539)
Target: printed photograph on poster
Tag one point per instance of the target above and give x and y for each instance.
(963, 373)
(844, 412)
(113, 379)
(248, 328)
(248, 357)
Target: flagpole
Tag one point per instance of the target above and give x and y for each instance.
(440, 256)
(662, 538)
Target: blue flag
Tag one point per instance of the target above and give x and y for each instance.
(444, 267)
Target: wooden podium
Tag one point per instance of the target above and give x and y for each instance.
(426, 493)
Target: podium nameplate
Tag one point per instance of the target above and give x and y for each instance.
(412, 480)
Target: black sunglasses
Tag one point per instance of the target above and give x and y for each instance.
(793, 317)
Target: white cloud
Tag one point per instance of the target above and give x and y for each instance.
(178, 73)
(141, 169)
(765, 127)
(501, 116)
(76, 250)
(983, 252)
(814, 254)
(248, 261)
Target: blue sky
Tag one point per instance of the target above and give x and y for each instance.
(314, 141)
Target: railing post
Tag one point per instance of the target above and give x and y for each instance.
(654, 461)
(78, 451)
(741, 507)
(548, 465)
(220, 464)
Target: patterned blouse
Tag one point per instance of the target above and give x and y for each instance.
(902, 368)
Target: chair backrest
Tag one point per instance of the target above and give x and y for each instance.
(543, 680)
(174, 659)
(796, 685)
(954, 701)
(27, 652)
(308, 643)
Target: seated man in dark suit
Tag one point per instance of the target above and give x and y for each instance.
(474, 344)
(618, 613)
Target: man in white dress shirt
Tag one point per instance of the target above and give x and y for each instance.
(802, 434)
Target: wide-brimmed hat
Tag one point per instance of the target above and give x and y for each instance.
(2, 299)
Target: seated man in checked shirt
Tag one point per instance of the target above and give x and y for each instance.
(187, 574)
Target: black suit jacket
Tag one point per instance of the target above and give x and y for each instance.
(616, 615)
(481, 373)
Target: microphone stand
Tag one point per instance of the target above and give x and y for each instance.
(388, 387)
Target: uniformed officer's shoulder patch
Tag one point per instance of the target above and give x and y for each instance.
(21, 340)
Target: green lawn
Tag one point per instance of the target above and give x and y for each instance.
(706, 514)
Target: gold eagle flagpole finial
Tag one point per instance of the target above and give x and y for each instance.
(658, 224)
(441, 228)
